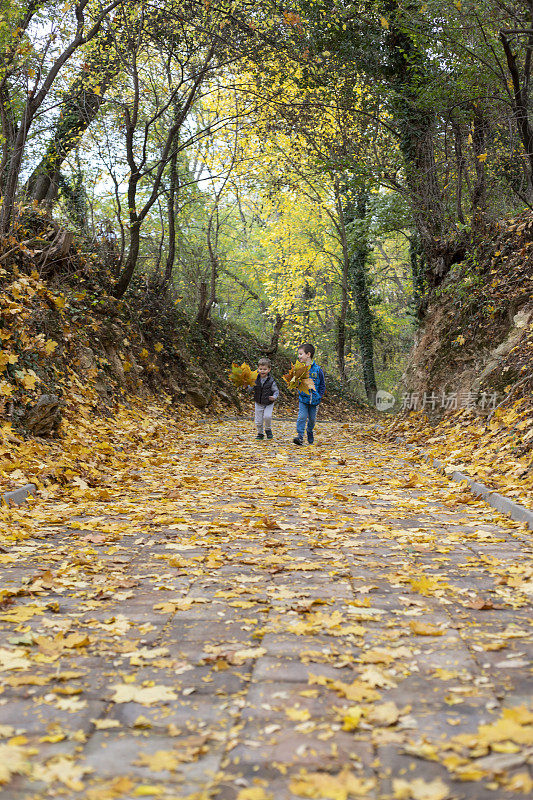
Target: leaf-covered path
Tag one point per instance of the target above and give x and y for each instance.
(245, 620)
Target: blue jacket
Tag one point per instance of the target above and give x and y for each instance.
(316, 394)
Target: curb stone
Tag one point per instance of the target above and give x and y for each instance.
(19, 496)
(495, 499)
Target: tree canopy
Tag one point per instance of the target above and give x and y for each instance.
(312, 170)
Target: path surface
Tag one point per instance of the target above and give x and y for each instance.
(242, 620)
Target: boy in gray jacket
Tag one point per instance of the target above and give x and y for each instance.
(265, 395)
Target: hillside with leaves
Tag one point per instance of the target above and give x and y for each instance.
(468, 385)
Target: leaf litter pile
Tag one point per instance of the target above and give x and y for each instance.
(192, 614)
(497, 450)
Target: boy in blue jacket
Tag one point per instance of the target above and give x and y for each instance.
(308, 403)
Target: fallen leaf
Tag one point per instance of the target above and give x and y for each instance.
(330, 787)
(145, 695)
(419, 789)
(425, 629)
(384, 714)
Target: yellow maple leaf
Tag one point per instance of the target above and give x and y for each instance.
(145, 695)
(425, 629)
(158, 347)
(374, 676)
(6, 389)
(27, 378)
(13, 761)
(61, 769)
(419, 789)
(514, 725)
(254, 793)
(428, 586)
(13, 659)
(521, 782)
(297, 714)
(351, 718)
(384, 714)
(22, 613)
(49, 346)
(242, 375)
(111, 789)
(160, 760)
(357, 692)
(333, 787)
(7, 358)
(297, 378)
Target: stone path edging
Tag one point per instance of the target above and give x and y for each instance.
(494, 499)
(19, 495)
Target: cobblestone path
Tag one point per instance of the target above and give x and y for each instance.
(253, 621)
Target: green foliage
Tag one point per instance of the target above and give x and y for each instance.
(250, 206)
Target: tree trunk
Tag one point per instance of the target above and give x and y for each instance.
(35, 99)
(171, 216)
(131, 115)
(13, 171)
(202, 316)
(460, 161)
(341, 320)
(521, 107)
(416, 257)
(358, 286)
(274, 341)
(9, 133)
(207, 302)
(416, 124)
(79, 109)
(341, 340)
(131, 261)
(479, 132)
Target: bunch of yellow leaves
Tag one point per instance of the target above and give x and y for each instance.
(298, 378)
(242, 375)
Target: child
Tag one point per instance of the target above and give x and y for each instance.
(265, 395)
(308, 404)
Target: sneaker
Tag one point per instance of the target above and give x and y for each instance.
(310, 438)
(297, 440)
(260, 436)
(269, 434)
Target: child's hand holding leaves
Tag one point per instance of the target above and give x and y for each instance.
(242, 375)
(298, 378)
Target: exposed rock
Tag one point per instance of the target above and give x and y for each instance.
(111, 333)
(493, 367)
(44, 418)
(197, 385)
(230, 398)
(86, 358)
(115, 364)
(173, 385)
(225, 397)
(102, 386)
(199, 397)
